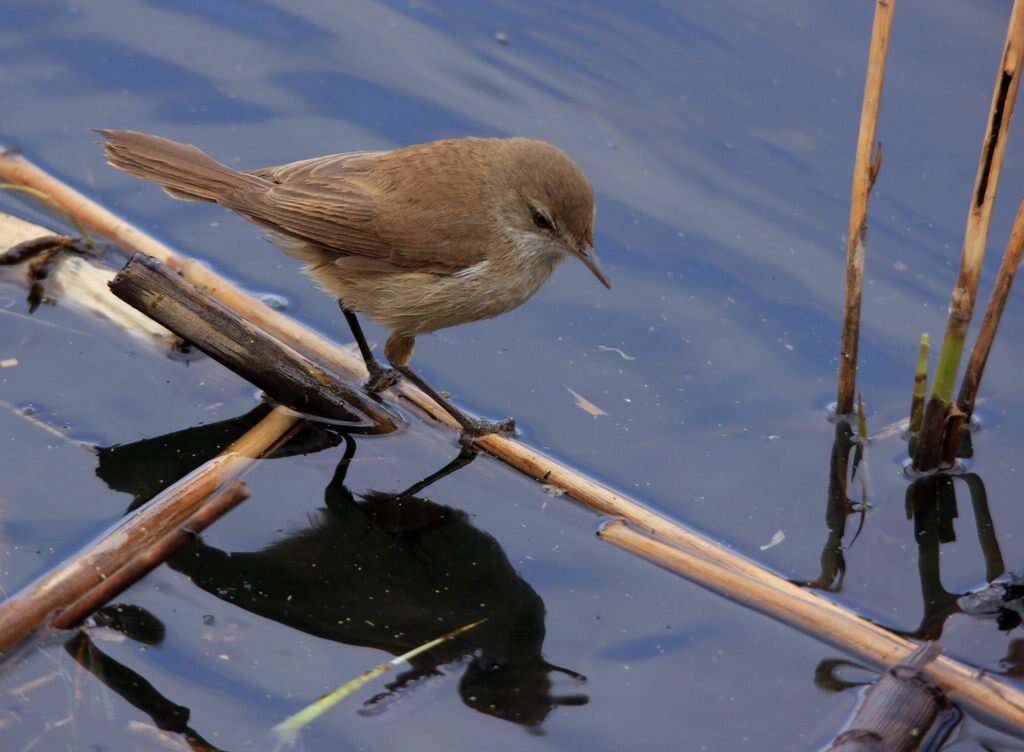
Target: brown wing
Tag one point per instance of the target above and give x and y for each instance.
(324, 201)
(345, 204)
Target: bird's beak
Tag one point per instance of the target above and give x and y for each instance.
(589, 259)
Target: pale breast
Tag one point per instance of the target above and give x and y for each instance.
(416, 303)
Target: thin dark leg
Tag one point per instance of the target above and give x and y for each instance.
(357, 332)
(40, 253)
(467, 455)
(471, 427)
(341, 470)
(380, 378)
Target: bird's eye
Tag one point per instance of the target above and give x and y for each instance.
(541, 221)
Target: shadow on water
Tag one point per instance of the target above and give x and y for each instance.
(388, 571)
(130, 685)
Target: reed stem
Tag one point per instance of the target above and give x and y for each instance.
(152, 556)
(961, 310)
(866, 165)
(25, 610)
(993, 313)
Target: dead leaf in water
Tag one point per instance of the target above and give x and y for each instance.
(777, 538)
(586, 405)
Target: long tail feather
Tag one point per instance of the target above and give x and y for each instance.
(184, 171)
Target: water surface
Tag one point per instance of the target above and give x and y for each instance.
(719, 137)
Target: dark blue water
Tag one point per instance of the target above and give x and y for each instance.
(719, 137)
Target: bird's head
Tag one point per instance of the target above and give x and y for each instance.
(552, 203)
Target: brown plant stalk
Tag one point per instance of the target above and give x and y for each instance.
(993, 313)
(25, 610)
(287, 376)
(961, 310)
(150, 557)
(866, 165)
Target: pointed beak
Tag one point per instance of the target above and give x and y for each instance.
(589, 259)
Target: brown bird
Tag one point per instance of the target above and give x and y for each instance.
(418, 238)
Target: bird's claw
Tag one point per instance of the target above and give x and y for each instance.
(382, 379)
(39, 255)
(479, 427)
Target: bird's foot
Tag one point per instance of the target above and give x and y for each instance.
(479, 427)
(381, 378)
(40, 256)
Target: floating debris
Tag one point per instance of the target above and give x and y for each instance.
(287, 731)
(776, 540)
(621, 354)
(8, 362)
(275, 301)
(586, 405)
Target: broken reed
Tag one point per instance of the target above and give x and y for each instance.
(148, 557)
(929, 451)
(993, 313)
(22, 612)
(867, 162)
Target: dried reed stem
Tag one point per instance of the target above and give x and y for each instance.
(81, 284)
(23, 612)
(898, 710)
(825, 621)
(865, 170)
(288, 376)
(1004, 97)
(993, 313)
(152, 556)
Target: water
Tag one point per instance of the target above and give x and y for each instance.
(719, 137)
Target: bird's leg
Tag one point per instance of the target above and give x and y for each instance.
(472, 428)
(398, 350)
(381, 378)
(41, 254)
(465, 456)
(31, 249)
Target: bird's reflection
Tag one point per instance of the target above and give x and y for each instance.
(383, 570)
(146, 467)
(136, 690)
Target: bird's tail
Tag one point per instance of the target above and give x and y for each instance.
(184, 171)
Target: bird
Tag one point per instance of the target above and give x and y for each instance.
(416, 238)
